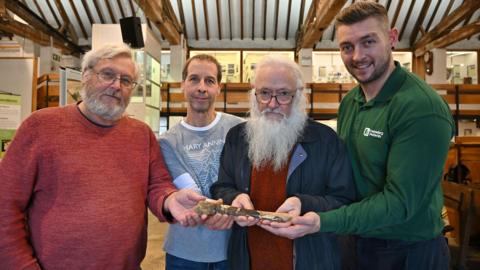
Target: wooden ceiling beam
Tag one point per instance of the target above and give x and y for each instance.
(120, 7)
(31, 33)
(87, 10)
(317, 21)
(451, 38)
(110, 11)
(397, 12)
(276, 19)
(288, 17)
(241, 19)
(435, 10)
(40, 10)
(253, 19)
(53, 14)
(40, 26)
(182, 18)
(406, 20)
(219, 23)
(205, 10)
(79, 19)
(421, 17)
(97, 8)
(447, 24)
(67, 25)
(162, 15)
(265, 20)
(194, 14)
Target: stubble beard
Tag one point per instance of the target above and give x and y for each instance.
(271, 141)
(377, 73)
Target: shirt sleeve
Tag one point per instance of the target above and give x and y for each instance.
(181, 177)
(413, 169)
(160, 183)
(18, 171)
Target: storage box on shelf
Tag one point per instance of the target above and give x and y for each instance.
(48, 90)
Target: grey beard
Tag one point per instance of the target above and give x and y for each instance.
(271, 141)
(91, 98)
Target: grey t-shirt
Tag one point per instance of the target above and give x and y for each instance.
(192, 155)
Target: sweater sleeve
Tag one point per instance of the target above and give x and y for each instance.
(160, 184)
(414, 167)
(18, 171)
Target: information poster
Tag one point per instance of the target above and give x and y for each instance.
(10, 118)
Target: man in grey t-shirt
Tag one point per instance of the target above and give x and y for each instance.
(192, 150)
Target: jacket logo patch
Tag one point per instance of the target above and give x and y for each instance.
(367, 132)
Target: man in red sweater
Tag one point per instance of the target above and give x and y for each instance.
(76, 180)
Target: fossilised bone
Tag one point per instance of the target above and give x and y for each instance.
(209, 207)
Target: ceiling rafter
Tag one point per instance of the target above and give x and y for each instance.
(59, 24)
(79, 19)
(219, 23)
(433, 16)
(397, 12)
(40, 10)
(97, 7)
(230, 18)
(451, 38)
(421, 18)
(241, 19)
(132, 8)
(120, 7)
(194, 14)
(67, 26)
(288, 18)
(264, 19)
(447, 11)
(89, 13)
(36, 28)
(253, 19)
(389, 2)
(300, 15)
(276, 19)
(162, 15)
(317, 21)
(206, 18)
(406, 19)
(182, 18)
(447, 24)
(110, 11)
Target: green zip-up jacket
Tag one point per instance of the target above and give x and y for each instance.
(398, 143)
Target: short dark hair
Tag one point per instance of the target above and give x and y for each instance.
(203, 57)
(360, 11)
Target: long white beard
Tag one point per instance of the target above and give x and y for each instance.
(271, 140)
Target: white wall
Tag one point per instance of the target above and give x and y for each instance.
(16, 77)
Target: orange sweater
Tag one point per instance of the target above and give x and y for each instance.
(81, 189)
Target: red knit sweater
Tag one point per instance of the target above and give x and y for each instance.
(81, 189)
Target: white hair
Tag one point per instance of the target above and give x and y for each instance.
(109, 51)
(276, 61)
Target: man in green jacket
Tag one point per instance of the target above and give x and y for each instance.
(397, 130)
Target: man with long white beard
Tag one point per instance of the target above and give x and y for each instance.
(279, 160)
(76, 180)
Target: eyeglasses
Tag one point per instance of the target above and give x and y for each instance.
(283, 96)
(108, 76)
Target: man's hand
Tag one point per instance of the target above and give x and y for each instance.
(291, 206)
(217, 221)
(180, 204)
(298, 227)
(243, 201)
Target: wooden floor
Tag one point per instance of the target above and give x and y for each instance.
(155, 258)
